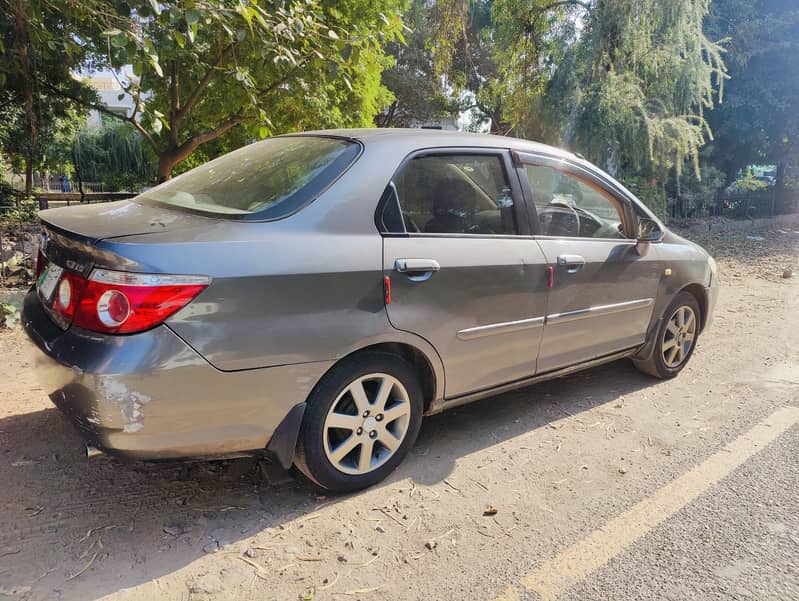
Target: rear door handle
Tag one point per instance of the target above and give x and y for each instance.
(417, 270)
(573, 263)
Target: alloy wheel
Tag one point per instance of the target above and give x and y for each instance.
(366, 424)
(679, 337)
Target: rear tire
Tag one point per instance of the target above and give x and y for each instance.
(360, 422)
(675, 340)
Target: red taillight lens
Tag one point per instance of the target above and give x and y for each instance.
(123, 303)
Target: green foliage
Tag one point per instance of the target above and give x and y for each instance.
(9, 197)
(201, 70)
(57, 126)
(697, 196)
(115, 155)
(38, 50)
(418, 95)
(651, 194)
(747, 182)
(626, 82)
(270, 67)
(24, 210)
(759, 120)
(645, 75)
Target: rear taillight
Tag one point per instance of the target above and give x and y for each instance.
(118, 302)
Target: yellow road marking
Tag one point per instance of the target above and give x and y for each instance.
(584, 557)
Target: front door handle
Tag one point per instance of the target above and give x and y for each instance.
(417, 270)
(573, 263)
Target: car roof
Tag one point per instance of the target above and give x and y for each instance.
(432, 138)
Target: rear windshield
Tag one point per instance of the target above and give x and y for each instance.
(265, 180)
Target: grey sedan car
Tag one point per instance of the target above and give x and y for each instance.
(313, 296)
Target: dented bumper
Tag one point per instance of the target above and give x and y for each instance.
(151, 396)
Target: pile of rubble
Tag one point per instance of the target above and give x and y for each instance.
(18, 248)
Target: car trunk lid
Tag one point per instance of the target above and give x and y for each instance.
(90, 223)
(74, 254)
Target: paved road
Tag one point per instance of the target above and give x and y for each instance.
(666, 490)
(738, 541)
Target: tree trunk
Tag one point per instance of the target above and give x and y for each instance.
(168, 160)
(571, 125)
(28, 175)
(79, 177)
(165, 165)
(611, 165)
(21, 37)
(780, 179)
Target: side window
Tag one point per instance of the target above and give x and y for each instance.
(456, 194)
(568, 206)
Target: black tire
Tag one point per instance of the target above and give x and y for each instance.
(311, 458)
(656, 364)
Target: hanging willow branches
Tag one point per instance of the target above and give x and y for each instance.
(114, 155)
(647, 75)
(626, 82)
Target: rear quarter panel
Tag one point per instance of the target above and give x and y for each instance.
(301, 289)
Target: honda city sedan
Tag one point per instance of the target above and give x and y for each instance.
(313, 296)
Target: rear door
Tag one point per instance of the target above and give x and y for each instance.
(604, 284)
(465, 272)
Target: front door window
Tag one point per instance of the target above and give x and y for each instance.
(569, 206)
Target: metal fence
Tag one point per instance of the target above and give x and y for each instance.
(766, 204)
(56, 186)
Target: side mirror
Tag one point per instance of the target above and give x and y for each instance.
(648, 230)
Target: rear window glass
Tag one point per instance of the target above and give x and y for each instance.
(265, 180)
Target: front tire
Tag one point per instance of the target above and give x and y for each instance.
(676, 338)
(360, 422)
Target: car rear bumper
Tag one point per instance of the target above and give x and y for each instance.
(151, 396)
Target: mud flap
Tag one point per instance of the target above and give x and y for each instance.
(646, 350)
(284, 440)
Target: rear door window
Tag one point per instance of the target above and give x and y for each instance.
(266, 180)
(456, 194)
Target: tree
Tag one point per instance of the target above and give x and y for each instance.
(418, 92)
(632, 89)
(759, 120)
(57, 126)
(201, 69)
(115, 155)
(37, 53)
(627, 82)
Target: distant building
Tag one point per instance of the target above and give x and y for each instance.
(447, 123)
(111, 96)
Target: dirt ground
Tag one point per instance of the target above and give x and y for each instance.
(556, 461)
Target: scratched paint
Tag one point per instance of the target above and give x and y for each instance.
(130, 402)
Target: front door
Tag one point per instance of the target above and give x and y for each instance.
(604, 286)
(465, 272)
